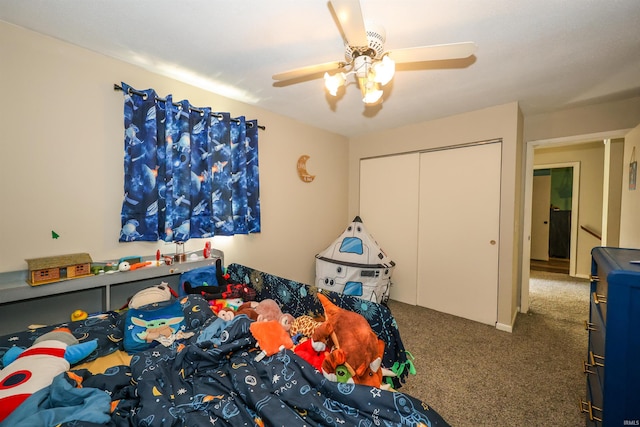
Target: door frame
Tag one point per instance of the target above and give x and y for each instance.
(525, 263)
(575, 204)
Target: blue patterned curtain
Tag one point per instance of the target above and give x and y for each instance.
(188, 172)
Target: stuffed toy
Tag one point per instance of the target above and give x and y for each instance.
(223, 289)
(158, 293)
(247, 308)
(268, 309)
(30, 370)
(357, 352)
(271, 337)
(226, 313)
(226, 303)
(308, 353)
(228, 291)
(303, 326)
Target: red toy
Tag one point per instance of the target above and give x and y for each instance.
(308, 353)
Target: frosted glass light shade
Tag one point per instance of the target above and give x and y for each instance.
(384, 70)
(333, 83)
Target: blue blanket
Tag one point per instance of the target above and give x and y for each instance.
(218, 381)
(61, 402)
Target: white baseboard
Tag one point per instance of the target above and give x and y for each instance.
(505, 327)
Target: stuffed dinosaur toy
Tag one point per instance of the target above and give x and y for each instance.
(29, 370)
(356, 355)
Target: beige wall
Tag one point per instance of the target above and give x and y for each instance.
(502, 121)
(62, 157)
(630, 206)
(581, 124)
(591, 158)
(583, 120)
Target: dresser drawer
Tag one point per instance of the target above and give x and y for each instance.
(594, 363)
(592, 407)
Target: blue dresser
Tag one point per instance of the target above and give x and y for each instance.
(612, 365)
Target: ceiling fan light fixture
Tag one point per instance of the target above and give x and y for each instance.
(365, 55)
(372, 96)
(384, 70)
(333, 83)
(371, 92)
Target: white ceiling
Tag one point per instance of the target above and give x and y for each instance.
(545, 54)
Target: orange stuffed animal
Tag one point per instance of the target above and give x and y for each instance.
(356, 347)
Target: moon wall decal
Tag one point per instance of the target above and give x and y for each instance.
(302, 169)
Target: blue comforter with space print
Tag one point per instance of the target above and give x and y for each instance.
(219, 381)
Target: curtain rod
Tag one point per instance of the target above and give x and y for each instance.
(197, 110)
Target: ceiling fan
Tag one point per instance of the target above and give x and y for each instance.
(366, 57)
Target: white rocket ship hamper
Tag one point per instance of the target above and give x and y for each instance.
(354, 264)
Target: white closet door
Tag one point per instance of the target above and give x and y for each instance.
(459, 231)
(389, 210)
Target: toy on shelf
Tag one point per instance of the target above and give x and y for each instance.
(58, 268)
(180, 255)
(103, 267)
(138, 265)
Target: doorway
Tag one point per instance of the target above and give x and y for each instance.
(527, 202)
(553, 215)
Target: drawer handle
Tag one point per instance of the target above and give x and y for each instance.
(588, 326)
(594, 278)
(586, 366)
(596, 360)
(589, 409)
(599, 299)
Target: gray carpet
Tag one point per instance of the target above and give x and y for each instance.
(475, 375)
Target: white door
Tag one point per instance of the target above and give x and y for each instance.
(389, 210)
(458, 233)
(540, 215)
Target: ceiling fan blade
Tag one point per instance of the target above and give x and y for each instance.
(310, 69)
(349, 15)
(433, 52)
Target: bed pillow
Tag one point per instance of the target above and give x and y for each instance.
(145, 326)
(142, 325)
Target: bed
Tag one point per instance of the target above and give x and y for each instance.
(219, 380)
